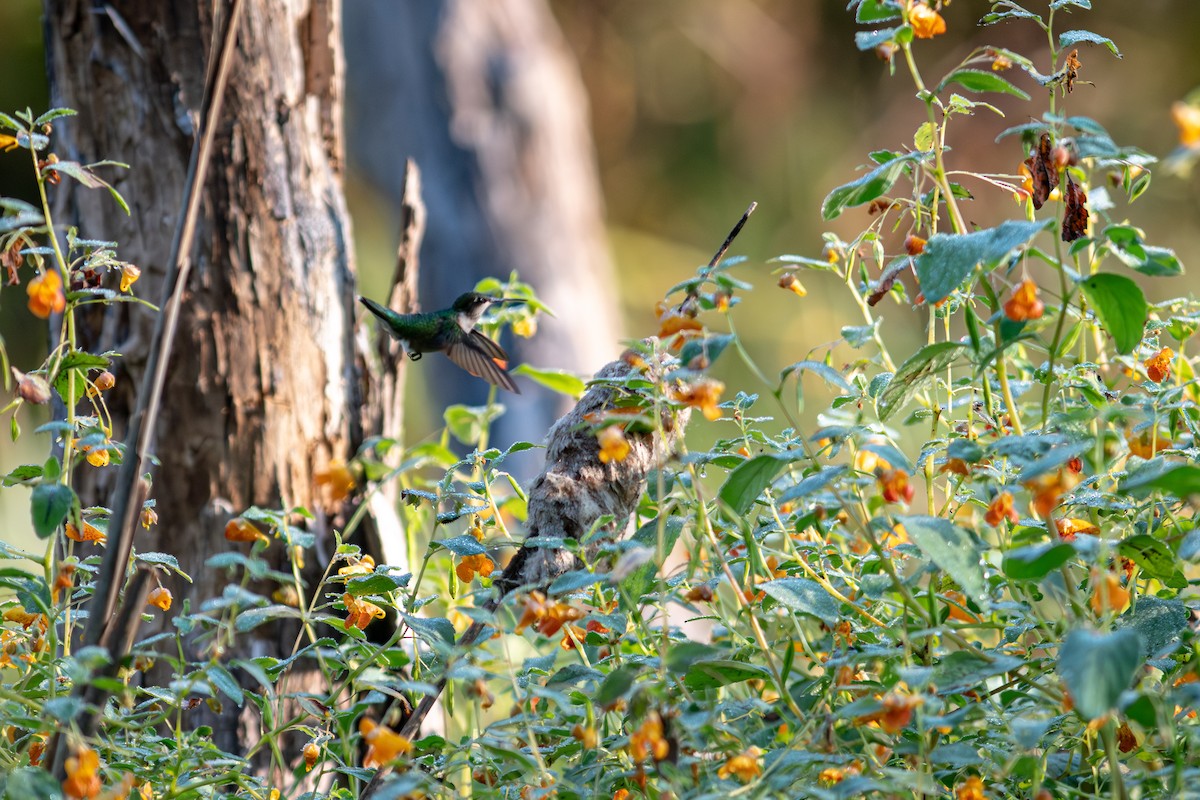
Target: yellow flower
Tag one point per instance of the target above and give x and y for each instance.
(98, 457)
(468, 566)
(46, 295)
(24, 618)
(613, 445)
(82, 769)
(129, 276)
(525, 328)
(1069, 526)
(703, 394)
(744, 765)
(1158, 366)
(926, 23)
(359, 613)
(1024, 304)
(1187, 119)
(160, 597)
(362, 565)
(648, 740)
(383, 744)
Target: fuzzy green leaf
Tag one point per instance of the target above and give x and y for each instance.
(1097, 667)
(1120, 306)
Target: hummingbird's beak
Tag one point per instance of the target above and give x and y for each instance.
(517, 301)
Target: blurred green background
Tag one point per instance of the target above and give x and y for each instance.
(700, 106)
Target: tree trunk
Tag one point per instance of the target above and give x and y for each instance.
(265, 385)
(486, 99)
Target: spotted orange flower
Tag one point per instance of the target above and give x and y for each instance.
(586, 736)
(312, 752)
(383, 744)
(334, 481)
(83, 778)
(1108, 595)
(745, 766)
(914, 245)
(160, 597)
(468, 566)
(46, 295)
(958, 607)
(648, 740)
(1000, 510)
(24, 618)
(359, 613)
(1158, 366)
(703, 394)
(926, 23)
(1145, 443)
(896, 486)
(613, 444)
(897, 711)
(1068, 527)
(1047, 490)
(148, 517)
(1187, 119)
(90, 533)
(358, 565)
(240, 529)
(970, 789)
(1024, 304)
(98, 456)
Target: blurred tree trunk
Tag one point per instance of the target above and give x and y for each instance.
(265, 386)
(486, 99)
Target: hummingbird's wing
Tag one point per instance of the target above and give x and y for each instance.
(478, 355)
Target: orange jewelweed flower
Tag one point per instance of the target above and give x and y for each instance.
(895, 485)
(1000, 510)
(129, 276)
(383, 744)
(1187, 119)
(793, 285)
(703, 394)
(240, 529)
(926, 23)
(1069, 526)
(613, 445)
(468, 566)
(745, 765)
(312, 752)
(1024, 304)
(648, 740)
(1047, 490)
(914, 245)
(82, 771)
(90, 533)
(335, 481)
(360, 565)
(359, 613)
(586, 736)
(1158, 366)
(98, 457)
(1108, 594)
(1001, 62)
(160, 597)
(148, 517)
(896, 713)
(1126, 740)
(24, 618)
(46, 295)
(970, 789)
(957, 607)
(1145, 443)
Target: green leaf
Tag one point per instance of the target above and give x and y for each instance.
(1034, 562)
(1155, 558)
(747, 481)
(436, 632)
(1127, 245)
(1070, 38)
(876, 11)
(1097, 667)
(868, 187)
(1177, 480)
(1120, 306)
(827, 373)
(953, 549)
(49, 507)
(712, 674)
(23, 473)
(377, 583)
(253, 617)
(709, 347)
(467, 423)
(965, 669)
(949, 258)
(556, 380)
(924, 137)
(804, 596)
(869, 40)
(913, 374)
(463, 546)
(224, 681)
(977, 80)
(1158, 621)
(616, 685)
(79, 363)
(28, 783)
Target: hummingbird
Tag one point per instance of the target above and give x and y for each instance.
(451, 331)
